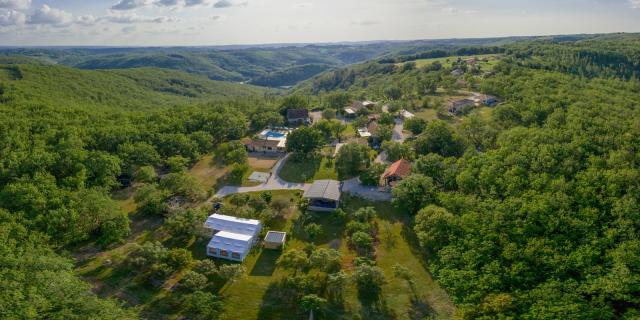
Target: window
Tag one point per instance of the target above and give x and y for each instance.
(235, 255)
(224, 253)
(212, 251)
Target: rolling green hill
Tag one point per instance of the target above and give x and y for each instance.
(266, 65)
(127, 88)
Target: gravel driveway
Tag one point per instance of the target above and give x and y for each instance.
(274, 183)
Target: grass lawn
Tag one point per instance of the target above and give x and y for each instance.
(398, 246)
(261, 163)
(427, 114)
(484, 113)
(446, 62)
(308, 170)
(248, 298)
(207, 171)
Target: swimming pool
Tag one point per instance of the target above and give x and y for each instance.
(275, 134)
(272, 134)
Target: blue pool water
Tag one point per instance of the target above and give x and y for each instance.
(273, 134)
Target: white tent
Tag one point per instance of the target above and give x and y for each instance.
(233, 237)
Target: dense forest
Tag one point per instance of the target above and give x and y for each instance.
(528, 211)
(68, 138)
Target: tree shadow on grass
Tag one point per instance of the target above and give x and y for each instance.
(266, 263)
(279, 302)
(374, 307)
(332, 227)
(300, 170)
(420, 310)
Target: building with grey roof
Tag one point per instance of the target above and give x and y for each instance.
(323, 195)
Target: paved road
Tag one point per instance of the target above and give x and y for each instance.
(274, 183)
(352, 186)
(381, 158)
(315, 116)
(398, 136)
(355, 188)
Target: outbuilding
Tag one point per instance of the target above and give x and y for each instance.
(275, 240)
(323, 195)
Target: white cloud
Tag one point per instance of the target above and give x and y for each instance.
(192, 3)
(450, 10)
(229, 3)
(130, 4)
(12, 18)
(86, 20)
(134, 18)
(635, 4)
(51, 16)
(223, 4)
(129, 29)
(169, 3)
(365, 22)
(15, 4)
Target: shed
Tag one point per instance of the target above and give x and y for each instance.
(323, 195)
(275, 240)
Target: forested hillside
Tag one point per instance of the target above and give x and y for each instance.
(68, 138)
(605, 57)
(128, 88)
(272, 66)
(529, 209)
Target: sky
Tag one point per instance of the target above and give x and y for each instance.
(226, 22)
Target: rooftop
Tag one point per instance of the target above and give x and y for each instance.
(400, 168)
(234, 219)
(275, 236)
(262, 143)
(297, 113)
(232, 236)
(324, 189)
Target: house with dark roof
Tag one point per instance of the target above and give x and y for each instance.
(323, 195)
(298, 116)
(352, 110)
(486, 100)
(458, 107)
(395, 173)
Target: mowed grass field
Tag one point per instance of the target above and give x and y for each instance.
(308, 170)
(447, 62)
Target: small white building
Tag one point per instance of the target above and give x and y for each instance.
(232, 237)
